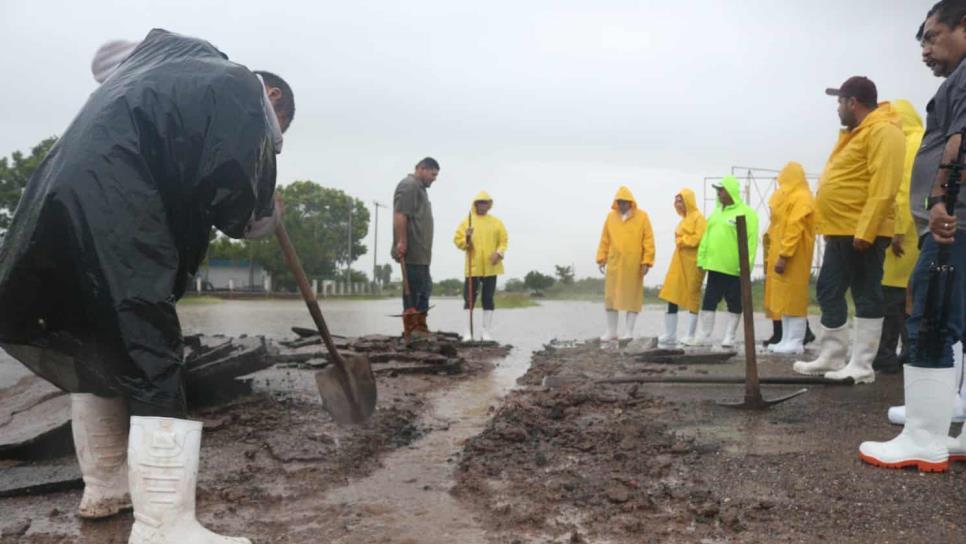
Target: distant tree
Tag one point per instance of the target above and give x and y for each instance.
(449, 288)
(15, 172)
(384, 274)
(565, 274)
(515, 285)
(538, 282)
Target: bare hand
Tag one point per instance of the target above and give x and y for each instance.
(469, 238)
(645, 268)
(897, 242)
(942, 225)
(780, 265)
(496, 257)
(860, 245)
(400, 250)
(602, 267)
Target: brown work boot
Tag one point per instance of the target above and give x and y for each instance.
(409, 323)
(420, 330)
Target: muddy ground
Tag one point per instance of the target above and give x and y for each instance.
(267, 461)
(664, 463)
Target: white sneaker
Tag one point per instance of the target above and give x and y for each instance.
(923, 442)
(100, 426)
(163, 455)
(834, 347)
(868, 332)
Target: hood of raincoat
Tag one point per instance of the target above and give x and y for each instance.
(908, 117)
(884, 113)
(690, 202)
(792, 178)
(731, 185)
(624, 194)
(482, 195)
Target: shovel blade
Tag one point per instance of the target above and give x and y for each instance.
(760, 403)
(349, 397)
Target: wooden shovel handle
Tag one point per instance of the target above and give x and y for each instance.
(313, 304)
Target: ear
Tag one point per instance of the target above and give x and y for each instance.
(274, 93)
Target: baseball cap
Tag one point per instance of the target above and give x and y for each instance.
(858, 87)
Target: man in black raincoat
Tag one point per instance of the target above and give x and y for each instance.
(110, 230)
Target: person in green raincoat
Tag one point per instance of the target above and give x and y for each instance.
(718, 256)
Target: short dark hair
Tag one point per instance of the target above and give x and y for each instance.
(947, 12)
(428, 163)
(287, 102)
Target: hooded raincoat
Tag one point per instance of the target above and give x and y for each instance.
(115, 221)
(625, 245)
(719, 246)
(898, 269)
(682, 285)
(857, 191)
(489, 236)
(791, 234)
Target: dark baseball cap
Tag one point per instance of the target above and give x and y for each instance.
(858, 87)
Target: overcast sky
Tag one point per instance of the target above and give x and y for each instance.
(548, 105)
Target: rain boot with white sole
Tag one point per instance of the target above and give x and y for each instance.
(692, 329)
(670, 337)
(923, 442)
(163, 458)
(630, 319)
(793, 337)
(868, 332)
(100, 426)
(731, 329)
(784, 326)
(702, 338)
(834, 346)
(611, 333)
(487, 325)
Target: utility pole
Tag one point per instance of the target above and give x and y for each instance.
(375, 244)
(348, 263)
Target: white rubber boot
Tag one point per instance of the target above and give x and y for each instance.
(630, 319)
(702, 338)
(163, 456)
(611, 333)
(692, 328)
(99, 426)
(897, 414)
(793, 337)
(731, 328)
(487, 325)
(670, 337)
(831, 356)
(859, 370)
(923, 441)
(772, 347)
(467, 334)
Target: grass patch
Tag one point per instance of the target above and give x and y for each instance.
(191, 300)
(513, 301)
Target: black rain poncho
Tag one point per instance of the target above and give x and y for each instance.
(116, 220)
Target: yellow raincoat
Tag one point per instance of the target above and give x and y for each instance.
(489, 236)
(625, 245)
(898, 269)
(791, 235)
(857, 191)
(682, 285)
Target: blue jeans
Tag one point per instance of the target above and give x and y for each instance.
(919, 283)
(420, 287)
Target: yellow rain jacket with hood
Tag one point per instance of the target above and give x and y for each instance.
(857, 190)
(625, 245)
(792, 235)
(489, 236)
(898, 269)
(682, 285)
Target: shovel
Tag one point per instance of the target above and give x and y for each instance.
(753, 399)
(348, 388)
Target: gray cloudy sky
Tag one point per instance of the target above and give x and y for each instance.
(548, 105)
